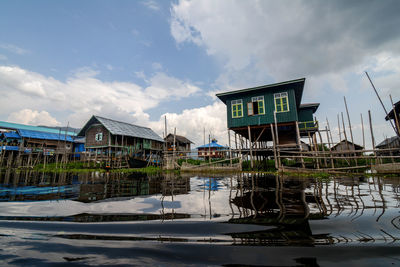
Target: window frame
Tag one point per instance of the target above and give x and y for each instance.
(237, 107)
(260, 105)
(98, 137)
(280, 97)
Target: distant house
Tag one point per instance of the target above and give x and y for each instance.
(393, 115)
(346, 146)
(109, 138)
(251, 112)
(35, 139)
(182, 144)
(212, 150)
(388, 143)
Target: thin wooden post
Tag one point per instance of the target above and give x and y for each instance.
(274, 146)
(362, 128)
(209, 149)
(329, 145)
(277, 141)
(348, 118)
(230, 149)
(395, 116)
(316, 149)
(174, 148)
(372, 133)
(351, 131)
(376, 92)
(250, 146)
(322, 148)
(299, 144)
(340, 133)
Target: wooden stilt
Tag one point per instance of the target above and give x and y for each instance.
(299, 144)
(251, 151)
(372, 133)
(329, 146)
(230, 149)
(277, 141)
(274, 146)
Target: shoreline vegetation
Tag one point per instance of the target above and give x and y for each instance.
(266, 167)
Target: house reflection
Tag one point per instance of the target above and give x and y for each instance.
(289, 205)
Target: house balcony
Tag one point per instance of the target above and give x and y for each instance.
(308, 127)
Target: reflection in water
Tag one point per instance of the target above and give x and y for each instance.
(292, 204)
(246, 210)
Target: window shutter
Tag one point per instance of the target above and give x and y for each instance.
(250, 109)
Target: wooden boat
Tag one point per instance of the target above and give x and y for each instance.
(137, 163)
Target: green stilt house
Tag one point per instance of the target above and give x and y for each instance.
(271, 112)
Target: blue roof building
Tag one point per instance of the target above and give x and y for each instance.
(213, 150)
(17, 126)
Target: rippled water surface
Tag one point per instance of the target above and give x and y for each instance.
(163, 220)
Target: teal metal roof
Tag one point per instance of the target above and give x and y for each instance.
(16, 126)
(297, 85)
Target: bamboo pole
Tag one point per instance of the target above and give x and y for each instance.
(230, 149)
(395, 116)
(380, 100)
(274, 146)
(209, 148)
(348, 118)
(277, 141)
(372, 133)
(329, 145)
(362, 128)
(299, 143)
(174, 148)
(322, 148)
(338, 122)
(251, 150)
(351, 131)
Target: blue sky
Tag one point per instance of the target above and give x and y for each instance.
(137, 61)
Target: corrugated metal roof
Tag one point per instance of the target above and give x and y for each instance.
(12, 135)
(213, 144)
(17, 126)
(179, 138)
(122, 128)
(387, 141)
(45, 136)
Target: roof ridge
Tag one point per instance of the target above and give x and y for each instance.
(264, 86)
(96, 116)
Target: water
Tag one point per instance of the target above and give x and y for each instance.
(230, 220)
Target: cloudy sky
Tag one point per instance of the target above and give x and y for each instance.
(137, 61)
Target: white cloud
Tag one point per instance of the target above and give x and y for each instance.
(192, 122)
(286, 41)
(14, 49)
(33, 117)
(166, 87)
(156, 66)
(83, 95)
(151, 4)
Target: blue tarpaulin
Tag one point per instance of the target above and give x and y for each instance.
(12, 135)
(9, 148)
(45, 136)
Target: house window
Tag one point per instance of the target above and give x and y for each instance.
(281, 102)
(99, 137)
(237, 108)
(256, 106)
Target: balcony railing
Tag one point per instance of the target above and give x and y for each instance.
(308, 125)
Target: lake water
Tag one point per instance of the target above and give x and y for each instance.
(172, 220)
